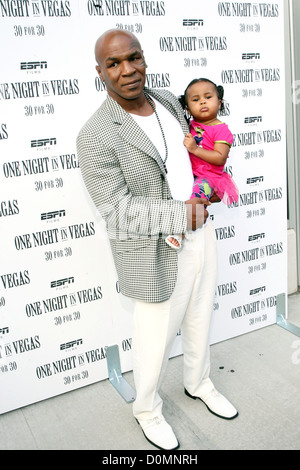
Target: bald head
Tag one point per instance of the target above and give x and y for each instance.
(111, 36)
(121, 66)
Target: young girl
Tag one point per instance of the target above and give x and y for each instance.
(208, 143)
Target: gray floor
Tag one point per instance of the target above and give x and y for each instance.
(259, 372)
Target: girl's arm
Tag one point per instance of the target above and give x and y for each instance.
(218, 156)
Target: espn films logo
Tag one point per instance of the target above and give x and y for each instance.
(255, 180)
(192, 23)
(34, 65)
(70, 344)
(257, 290)
(253, 119)
(53, 214)
(256, 237)
(4, 331)
(251, 56)
(62, 282)
(43, 142)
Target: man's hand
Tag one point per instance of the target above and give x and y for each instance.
(196, 212)
(214, 198)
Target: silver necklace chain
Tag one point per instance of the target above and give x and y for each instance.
(161, 129)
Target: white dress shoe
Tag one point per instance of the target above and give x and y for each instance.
(159, 433)
(217, 404)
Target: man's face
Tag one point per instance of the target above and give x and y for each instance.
(122, 67)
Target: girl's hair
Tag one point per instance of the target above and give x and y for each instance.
(219, 90)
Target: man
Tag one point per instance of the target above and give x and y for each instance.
(139, 176)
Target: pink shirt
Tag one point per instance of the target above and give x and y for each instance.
(209, 135)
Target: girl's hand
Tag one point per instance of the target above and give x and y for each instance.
(189, 143)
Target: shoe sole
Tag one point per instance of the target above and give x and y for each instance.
(211, 411)
(153, 443)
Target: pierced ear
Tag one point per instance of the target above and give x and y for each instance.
(98, 68)
(143, 60)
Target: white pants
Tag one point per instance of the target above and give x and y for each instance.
(155, 325)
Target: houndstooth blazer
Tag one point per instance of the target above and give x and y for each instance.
(126, 179)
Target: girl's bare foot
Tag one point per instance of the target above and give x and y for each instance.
(174, 241)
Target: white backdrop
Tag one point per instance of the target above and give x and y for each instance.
(59, 301)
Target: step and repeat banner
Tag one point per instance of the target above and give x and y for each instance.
(60, 305)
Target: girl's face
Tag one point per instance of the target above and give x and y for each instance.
(203, 102)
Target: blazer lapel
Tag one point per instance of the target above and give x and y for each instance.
(131, 132)
(179, 115)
